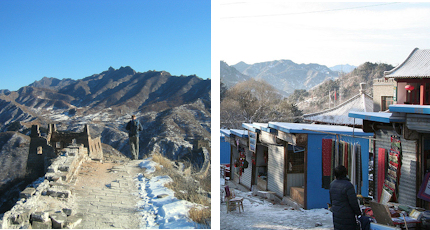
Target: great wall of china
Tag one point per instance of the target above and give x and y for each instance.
(74, 188)
(53, 162)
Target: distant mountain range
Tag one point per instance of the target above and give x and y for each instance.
(172, 109)
(284, 75)
(343, 68)
(230, 75)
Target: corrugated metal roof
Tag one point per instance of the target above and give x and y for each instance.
(225, 132)
(420, 109)
(315, 129)
(339, 114)
(416, 65)
(378, 116)
(237, 132)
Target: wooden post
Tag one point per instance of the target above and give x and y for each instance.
(422, 93)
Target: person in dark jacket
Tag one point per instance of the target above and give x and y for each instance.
(134, 128)
(344, 203)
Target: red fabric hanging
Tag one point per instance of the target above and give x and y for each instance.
(345, 156)
(326, 156)
(381, 171)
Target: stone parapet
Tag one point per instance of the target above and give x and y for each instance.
(47, 202)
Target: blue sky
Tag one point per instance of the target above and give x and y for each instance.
(326, 33)
(75, 39)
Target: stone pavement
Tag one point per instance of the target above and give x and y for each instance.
(106, 195)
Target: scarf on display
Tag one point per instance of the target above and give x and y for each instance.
(327, 146)
(349, 155)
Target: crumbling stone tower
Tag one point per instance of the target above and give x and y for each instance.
(43, 150)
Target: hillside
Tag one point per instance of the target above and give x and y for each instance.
(230, 76)
(13, 157)
(174, 110)
(346, 86)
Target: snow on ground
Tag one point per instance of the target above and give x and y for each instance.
(148, 164)
(262, 214)
(158, 206)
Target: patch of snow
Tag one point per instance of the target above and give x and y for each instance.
(262, 214)
(148, 164)
(158, 206)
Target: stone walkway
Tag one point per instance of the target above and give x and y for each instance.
(106, 195)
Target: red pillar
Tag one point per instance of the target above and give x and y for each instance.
(422, 93)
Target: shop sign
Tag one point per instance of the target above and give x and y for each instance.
(252, 141)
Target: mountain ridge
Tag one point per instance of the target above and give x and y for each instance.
(106, 101)
(285, 75)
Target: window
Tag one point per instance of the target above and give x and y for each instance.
(386, 101)
(296, 160)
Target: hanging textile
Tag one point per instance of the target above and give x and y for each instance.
(326, 162)
(393, 170)
(381, 170)
(359, 174)
(333, 159)
(353, 174)
(345, 156)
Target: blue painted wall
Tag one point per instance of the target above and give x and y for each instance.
(224, 151)
(318, 197)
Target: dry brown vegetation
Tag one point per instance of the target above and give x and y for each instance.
(186, 187)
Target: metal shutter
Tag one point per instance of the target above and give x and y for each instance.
(247, 174)
(275, 171)
(407, 184)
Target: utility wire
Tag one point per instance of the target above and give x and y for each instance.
(310, 12)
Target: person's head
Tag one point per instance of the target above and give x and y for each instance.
(133, 117)
(340, 171)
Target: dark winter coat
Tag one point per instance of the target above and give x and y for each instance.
(344, 204)
(133, 128)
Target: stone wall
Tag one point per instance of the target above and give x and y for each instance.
(47, 203)
(44, 149)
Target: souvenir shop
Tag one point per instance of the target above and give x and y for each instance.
(297, 160)
(240, 156)
(402, 164)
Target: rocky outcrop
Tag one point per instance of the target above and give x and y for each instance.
(14, 149)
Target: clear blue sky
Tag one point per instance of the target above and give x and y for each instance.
(75, 39)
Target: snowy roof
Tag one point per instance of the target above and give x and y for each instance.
(249, 127)
(226, 132)
(416, 65)
(311, 128)
(236, 132)
(339, 114)
(256, 127)
(265, 127)
(421, 109)
(378, 116)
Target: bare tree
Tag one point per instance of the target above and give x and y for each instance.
(253, 101)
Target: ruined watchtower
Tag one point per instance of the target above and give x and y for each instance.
(44, 149)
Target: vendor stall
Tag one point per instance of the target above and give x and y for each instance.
(240, 156)
(300, 159)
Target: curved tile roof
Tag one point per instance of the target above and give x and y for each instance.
(416, 65)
